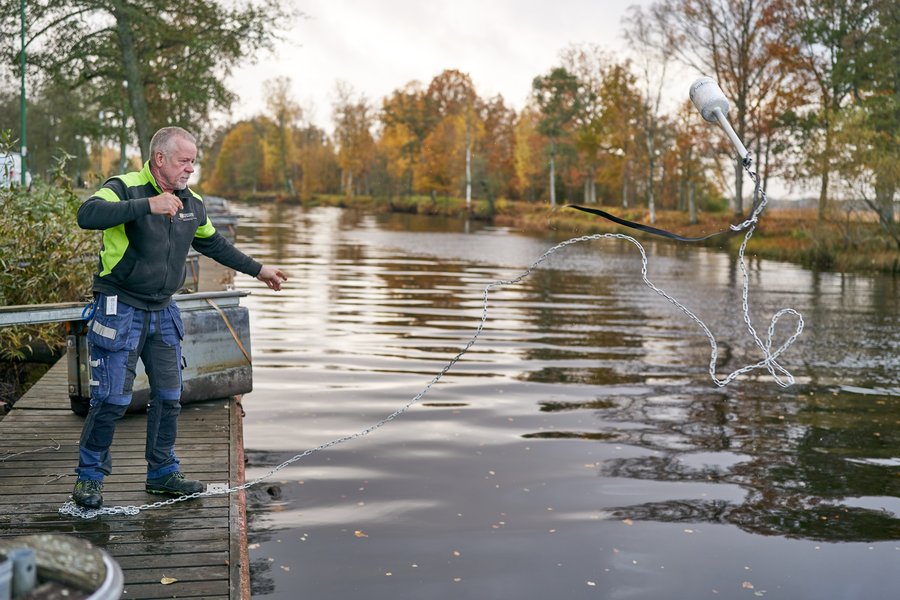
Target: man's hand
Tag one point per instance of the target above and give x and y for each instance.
(272, 277)
(165, 204)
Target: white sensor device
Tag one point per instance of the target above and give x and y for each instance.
(709, 99)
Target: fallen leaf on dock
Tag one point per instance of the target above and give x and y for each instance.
(167, 580)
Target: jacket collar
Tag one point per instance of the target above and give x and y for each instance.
(148, 174)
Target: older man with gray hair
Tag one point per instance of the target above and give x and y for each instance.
(150, 219)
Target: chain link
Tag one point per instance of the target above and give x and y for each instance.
(780, 375)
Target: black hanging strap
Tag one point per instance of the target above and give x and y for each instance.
(642, 227)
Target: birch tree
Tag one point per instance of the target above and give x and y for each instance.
(354, 120)
(285, 114)
(645, 34)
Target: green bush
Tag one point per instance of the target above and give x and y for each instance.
(714, 204)
(45, 258)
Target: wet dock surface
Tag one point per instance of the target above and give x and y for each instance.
(200, 543)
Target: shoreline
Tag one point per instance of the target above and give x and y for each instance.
(790, 235)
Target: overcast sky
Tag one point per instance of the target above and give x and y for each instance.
(377, 46)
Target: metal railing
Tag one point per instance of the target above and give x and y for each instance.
(31, 314)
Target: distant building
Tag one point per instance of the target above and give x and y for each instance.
(11, 170)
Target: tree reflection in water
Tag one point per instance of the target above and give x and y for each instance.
(807, 458)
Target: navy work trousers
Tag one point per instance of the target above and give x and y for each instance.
(118, 335)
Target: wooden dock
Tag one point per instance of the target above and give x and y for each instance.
(200, 543)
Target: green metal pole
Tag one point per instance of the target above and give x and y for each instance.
(22, 100)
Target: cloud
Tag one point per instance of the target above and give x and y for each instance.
(379, 46)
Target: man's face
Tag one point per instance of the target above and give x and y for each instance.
(174, 168)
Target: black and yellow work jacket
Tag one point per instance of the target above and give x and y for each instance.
(142, 259)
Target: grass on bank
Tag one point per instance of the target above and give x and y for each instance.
(843, 242)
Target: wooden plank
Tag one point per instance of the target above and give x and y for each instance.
(51, 509)
(217, 545)
(49, 467)
(181, 589)
(178, 571)
(194, 559)
(239, 576)
(133, 525)
(202, 542)
(50, 391)
(13, 483)
(111, 499)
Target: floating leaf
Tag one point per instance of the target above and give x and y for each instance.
(360, 534)
(628, 521)
(747, 585)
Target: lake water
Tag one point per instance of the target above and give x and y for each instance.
(580, 448)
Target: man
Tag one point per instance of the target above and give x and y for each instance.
(149, 220)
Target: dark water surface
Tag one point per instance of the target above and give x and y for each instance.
(580, 449)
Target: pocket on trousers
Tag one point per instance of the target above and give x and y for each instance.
(175, 334)
(99, 379)
(110, 332)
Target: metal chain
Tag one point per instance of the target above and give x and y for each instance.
(768, 361)
(55, 446)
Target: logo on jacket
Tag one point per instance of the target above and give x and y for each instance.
(187, 216)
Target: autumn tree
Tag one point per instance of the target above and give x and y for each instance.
(443, 156)
(239, 166)
(453, 99)
(695, 160)
(646, 35)
(528, 153)
(556, 97)
(398, 150)
(588, 64)
(740, 44)
(621, 112)
(498, 147)
(316, 164)
(354, 120)
(406, 122)
(285, 115)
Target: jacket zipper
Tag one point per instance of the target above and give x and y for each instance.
(168, 255)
